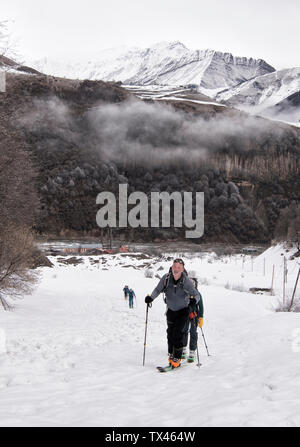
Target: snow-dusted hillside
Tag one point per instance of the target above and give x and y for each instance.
(158, 93)
(164, 63)
(269, 94)
(249, 84)
(8, 65)
(73, 352)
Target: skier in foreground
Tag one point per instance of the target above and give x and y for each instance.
(180, 294)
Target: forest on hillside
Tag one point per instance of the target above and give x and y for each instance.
(84, 137)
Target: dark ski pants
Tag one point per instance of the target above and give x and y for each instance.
(176, 321)
(191, 327)
(130, 303)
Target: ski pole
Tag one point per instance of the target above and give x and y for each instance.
(146, 325)
(205, 342)
(195, 326)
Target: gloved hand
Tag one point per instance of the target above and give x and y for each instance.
(200, 322)
(148, 299)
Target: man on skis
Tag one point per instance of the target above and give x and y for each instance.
(180, 293)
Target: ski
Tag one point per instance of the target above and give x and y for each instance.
(163, 369)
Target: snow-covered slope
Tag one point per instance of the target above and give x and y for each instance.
(74, 349)
(277, 91)
(185, 94)
(166, 63)
(8, 65)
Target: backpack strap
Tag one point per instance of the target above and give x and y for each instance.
(167, 279)
(181, 284)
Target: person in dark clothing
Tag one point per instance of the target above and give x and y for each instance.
(126, 292)
(131, 295)
(195, 320)
(179, 292)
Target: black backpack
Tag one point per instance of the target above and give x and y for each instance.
(197, 308)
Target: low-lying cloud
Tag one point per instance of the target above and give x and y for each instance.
(155, 132)
(149, 132)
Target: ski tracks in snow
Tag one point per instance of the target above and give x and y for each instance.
(74, 357)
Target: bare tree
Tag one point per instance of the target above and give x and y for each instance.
(18, 208)
(16, 254)
(3, 38)
(8, 46)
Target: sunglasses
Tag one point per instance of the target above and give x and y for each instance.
(180, 261)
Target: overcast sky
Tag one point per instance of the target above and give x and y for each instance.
(78, 29)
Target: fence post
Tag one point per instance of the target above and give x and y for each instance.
(294, 292)
(272, 284)
(283, 291)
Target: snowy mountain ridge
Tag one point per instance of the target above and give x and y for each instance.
(249, 84)
(165, 63)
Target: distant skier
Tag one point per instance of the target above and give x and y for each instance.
(131, 295)
(195, 319)
(180, 293)
(126, 292)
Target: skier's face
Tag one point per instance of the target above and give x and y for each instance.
(177, 268)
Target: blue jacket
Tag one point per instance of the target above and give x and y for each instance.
(131, 294)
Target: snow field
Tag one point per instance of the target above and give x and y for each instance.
(73, 351)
